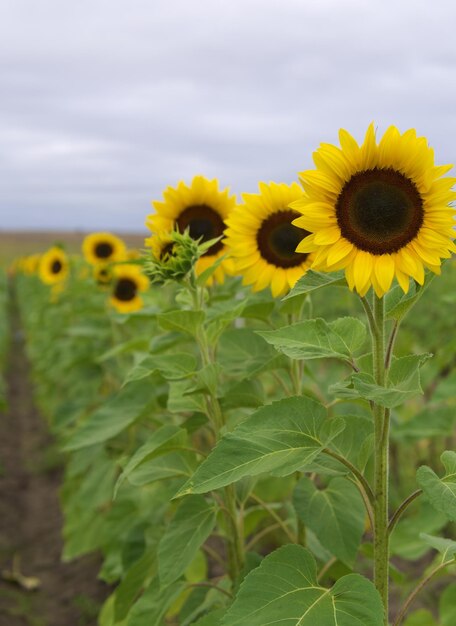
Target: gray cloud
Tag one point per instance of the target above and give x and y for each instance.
(105, 103)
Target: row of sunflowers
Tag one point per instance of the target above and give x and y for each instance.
(238, 458)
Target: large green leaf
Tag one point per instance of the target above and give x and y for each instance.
(315, 280)
(403, 383)
(182, 321)
(179, 463)
(446, 547)
(283, 591)
(335, 514)
(441, 492)
(137, 577)
(171, 366)
(191, 526)
(119, 412)
(159, 442)
(355, 443)
(314, 339)
(245, 354)
(151, 608)
(280, 438)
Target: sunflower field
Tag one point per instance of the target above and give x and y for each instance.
(257, 411)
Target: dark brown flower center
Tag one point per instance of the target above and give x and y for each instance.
(56, 267)
(203, 223)
(125, 289)
(379, 211)
(103, 276)
(277, 239)
(103, 250)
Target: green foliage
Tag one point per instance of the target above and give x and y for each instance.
(403, 383)
(315, 339)
(280, 438)
(284, 590)
(441, 492)
(191, 526)
(122, 410)
(311, 281)
(336, 514)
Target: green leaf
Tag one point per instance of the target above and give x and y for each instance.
(171, 366)
(181, 399)
(398, 303)
(211, 619)
(336, 515)
(114, 416)
(354, 443)
(315, 280)
(162, 440)
(441, 492)
(151, 608)
(280, 438)
(446, 547)
(314, 339)
(405, 540)
(422, 618)
(433, 421)
(182, 321)
(403, 382)
(179, 463)
(447, 606)
(191, 526)
(137, 577)
(244, 354)
(284, 591)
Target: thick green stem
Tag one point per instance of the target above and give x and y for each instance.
(235, 521)
(381, 458)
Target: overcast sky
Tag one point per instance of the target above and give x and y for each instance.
(103, 103)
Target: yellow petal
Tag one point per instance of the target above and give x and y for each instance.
(362, 269)
(327, 236)
(384, 271)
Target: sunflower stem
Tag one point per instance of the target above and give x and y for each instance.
(235, 543)
(381, 456)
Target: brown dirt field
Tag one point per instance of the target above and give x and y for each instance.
(19, 243)
(30, 517)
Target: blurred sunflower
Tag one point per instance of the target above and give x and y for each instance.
(54, 266)
(102, 274)
(103, 248)
(202, 209)
(377, 211)
(128, 282)
(262, 239)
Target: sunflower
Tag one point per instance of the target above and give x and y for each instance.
(263, 240)
(54, 266)
(102, 274)
(200, 208)
(128, 282)
(378, 212)
(103, 248)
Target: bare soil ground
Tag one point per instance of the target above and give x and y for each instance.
(30, 517)
(20, 243)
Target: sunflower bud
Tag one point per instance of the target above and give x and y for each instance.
(173, 255)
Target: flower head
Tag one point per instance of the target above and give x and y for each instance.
(262, 238)
(200, 209)
(53, 266)
(378, 211)
(128, 282)
(103, 248)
